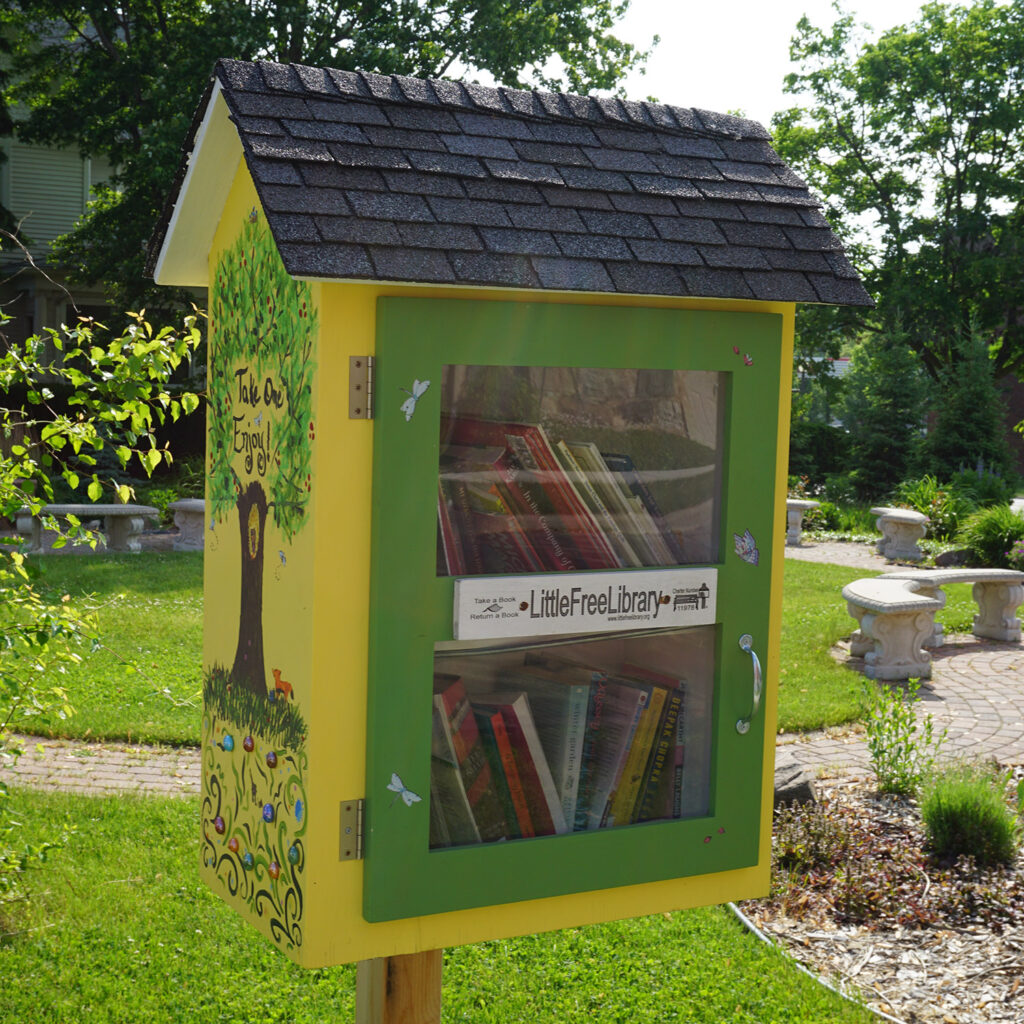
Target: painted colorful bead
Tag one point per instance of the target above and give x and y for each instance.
(229, 742)
(274, 869)
(233, 844)
(268, 812)
(271, 759)
(248, 743)
(247, 861)
(293, 854)
(218, 824)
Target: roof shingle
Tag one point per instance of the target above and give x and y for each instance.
(387, 177)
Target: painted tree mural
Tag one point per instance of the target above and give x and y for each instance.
(259, 418)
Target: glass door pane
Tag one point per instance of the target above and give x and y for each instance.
(543, 739)
(575, 468)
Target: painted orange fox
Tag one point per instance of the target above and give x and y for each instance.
(282, 688)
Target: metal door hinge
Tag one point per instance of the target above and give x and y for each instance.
(360, 387)
(351, 838)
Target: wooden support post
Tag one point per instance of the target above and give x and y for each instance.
(399, 989)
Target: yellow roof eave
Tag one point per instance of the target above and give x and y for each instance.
(212, 165)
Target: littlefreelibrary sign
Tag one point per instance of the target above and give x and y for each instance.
(492, 607)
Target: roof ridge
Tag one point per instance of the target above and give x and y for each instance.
(530, 104)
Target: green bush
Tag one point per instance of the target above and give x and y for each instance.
(990, 535)
(966, 814)
(983, 487)
(825, 517)
(945, 506)
(902, 747)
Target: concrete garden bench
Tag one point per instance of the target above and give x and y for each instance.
(896, 623)
(997, 592)
(896, 615)
(901, 529)
(189, 517)
(121, 527)
(795, 509)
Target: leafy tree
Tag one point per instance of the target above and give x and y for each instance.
(969, 421)
(259, 408)
(121, 80)
(120, 390)
(885, 396)
(916, 142)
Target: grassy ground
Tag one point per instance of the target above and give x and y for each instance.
(121, 930)
(145, 684)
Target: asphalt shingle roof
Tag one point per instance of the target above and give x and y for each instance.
(389, 178)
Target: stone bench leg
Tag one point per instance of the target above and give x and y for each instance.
(899, 652)
(997, 608)
(860, 644)
(899, 539)
(794, 526)
(190, 530)
(30, 529)
(123, 533)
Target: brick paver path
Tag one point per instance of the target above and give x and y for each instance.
(976, 691)
(105, 769)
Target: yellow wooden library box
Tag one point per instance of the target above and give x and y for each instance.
(497, 436)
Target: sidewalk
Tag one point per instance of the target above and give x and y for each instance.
(976, 691)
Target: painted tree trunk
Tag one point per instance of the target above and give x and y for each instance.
(248, 670)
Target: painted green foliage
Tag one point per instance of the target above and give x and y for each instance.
(260, 423)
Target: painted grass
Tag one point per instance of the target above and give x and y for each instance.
(150, 614)
(121, 930)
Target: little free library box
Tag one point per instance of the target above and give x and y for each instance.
(497, 433)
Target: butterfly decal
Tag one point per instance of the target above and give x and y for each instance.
(748, 360)
(409, 405)
(746, 547)
(397, 786)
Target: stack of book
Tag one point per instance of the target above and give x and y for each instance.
(510, 501)
(554, 747)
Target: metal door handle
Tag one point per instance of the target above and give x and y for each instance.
(747, 644)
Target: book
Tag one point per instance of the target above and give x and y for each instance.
(657, 797)
(542, 796)
(621, 705)
(451, 818)
(505, 773)
(663, 781)
(622, 801)
(558, 702)
(624, 551)
(623, 466)
(450, 554)
(633, 521)
(463, 744)
(539, 487)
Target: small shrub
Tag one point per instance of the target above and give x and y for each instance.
(945, 506)
(990, 535)
(965, 813)
(983, 486)
(901, 746)
(825, 517)
(838, 489)
(159, 498)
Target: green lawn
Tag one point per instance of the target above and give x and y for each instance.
(144, 684)
(120, 929)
